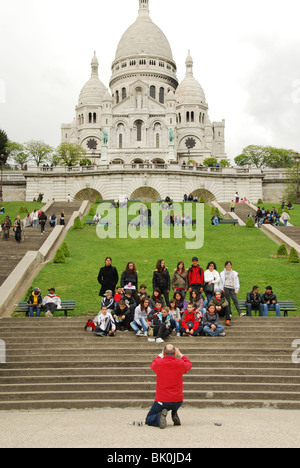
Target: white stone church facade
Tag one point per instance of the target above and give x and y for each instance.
(147, 115)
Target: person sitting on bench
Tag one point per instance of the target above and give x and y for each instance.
(51, 303)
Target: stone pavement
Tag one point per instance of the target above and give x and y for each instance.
(111, 428)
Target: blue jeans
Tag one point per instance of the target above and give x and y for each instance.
(216, 332)
(250, 308)
(34, 308)
(275, 307)
(155, 412)
(176, 325)
(136, 327)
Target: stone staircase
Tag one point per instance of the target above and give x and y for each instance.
(12, 253)
(55, 364)
(242, 210)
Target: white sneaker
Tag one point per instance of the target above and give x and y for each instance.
(159, 340)
(178, 334)
(140, 333)
(151, 340)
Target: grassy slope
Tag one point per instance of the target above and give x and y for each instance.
(12, 209)
(249, 250)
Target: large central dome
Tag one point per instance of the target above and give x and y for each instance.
(144, 38)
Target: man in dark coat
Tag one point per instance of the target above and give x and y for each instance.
(108, 277)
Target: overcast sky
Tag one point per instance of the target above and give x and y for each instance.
(246, 57)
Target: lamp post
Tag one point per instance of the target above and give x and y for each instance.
(2, 159)
(297, 159)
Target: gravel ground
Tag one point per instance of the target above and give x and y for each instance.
(113, 429)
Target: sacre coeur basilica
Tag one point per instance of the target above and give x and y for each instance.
(148, 134)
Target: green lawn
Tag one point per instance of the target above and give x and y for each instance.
(12, 209)
(249, 249)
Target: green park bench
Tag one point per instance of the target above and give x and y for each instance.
(66, 306)
(229, 221)
(102, 222)
(285, 306)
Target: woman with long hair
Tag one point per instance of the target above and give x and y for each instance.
(130, 276)
(161, 279)
(179, 279)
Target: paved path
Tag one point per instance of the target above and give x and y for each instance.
(110, 428)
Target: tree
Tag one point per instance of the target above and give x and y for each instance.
(69, 154)
(3, 144)
(265, 156)
(210, 162)
(38, 151)
(290, 192)
(254, 155)
(16, 153)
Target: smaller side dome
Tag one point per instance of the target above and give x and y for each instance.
(190, 91)
(94, 90)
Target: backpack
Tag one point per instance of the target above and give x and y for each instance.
(90, 326)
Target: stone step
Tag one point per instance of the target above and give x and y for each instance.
(115, 372)
(55, 364)
(145, 376)
(148, 393)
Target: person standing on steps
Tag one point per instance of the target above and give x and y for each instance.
(169, 367)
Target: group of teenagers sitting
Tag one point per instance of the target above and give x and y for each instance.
(152, 318)
(186, 313)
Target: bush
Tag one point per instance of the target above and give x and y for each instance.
(293, 257)
(214, 210)
(23, 209)
(260, 202)
(250, 223)
(92, 211)
(59, 256)
(202, 200)
(64, 247)
(77, 223)
(282, 251)
(97, 201)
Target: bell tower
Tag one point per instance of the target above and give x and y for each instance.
(144, 5)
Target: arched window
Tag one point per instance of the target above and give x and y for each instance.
(192, 116)
(139, 124)
(187, 116)
(117, 97)
(120, 141)
(157, 140)
(124, 94)
(162, 95)
(90, 117)
(153, 92)
(94, 117)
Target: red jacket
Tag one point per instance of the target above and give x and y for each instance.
(196, 276)
(169, 371)
(190, 318)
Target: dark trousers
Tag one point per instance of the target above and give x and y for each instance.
(160, 331)
(230, 294)
(155, 412)
(225, 312)
(166, 296)
(50, 306)
(190, 326)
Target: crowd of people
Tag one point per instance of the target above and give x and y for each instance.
(34, 219)
(199, 299)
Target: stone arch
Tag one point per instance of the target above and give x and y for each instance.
(206, 194)
(146, 195)
(87, 194)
